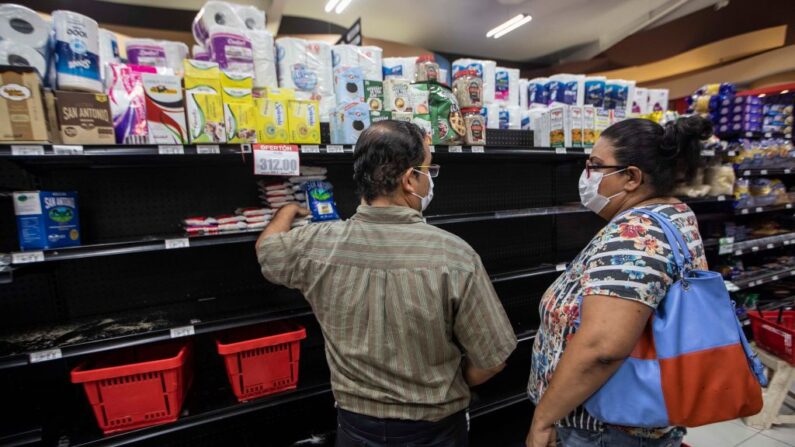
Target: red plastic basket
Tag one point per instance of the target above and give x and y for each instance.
(774, 337)
(136, 387)
(262, 360)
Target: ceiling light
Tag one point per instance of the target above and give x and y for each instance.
(504, 25)
(331, 4)
(510, 28)
(343, 4)
(783, 92)
(762, 95)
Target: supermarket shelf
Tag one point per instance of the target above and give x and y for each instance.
(445, 219)
(762, 209)
(758, 172)
(528, 273)
(6, 275)
(499, 404)
(99, 335)
(761, 244)
(761, 278)
(27, 437)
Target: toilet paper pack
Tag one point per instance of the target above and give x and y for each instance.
(211, 14)
(108, 50)
(485, 69)
(146, 52)
(348, 84)
(252, 17)
(595, 90)
(538, 92)
(658, 99)
(231, 49)
(76, 51)
(510, 117)
(305, 66)
(506, 86)
(17, 54)
(567, 89)
(264, 58)
(24, 26)
(128, 102)
(348, 121)
(399, 68)
(640, 101)
(368, 58)
(200, 53)
(165, 110)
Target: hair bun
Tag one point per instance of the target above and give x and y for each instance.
(682, 138)
(695, 126)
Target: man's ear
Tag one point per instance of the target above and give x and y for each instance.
(407, 181)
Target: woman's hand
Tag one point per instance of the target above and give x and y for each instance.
(541, 435)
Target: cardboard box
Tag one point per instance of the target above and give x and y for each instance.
(80, 118)
(165, 110)
(203, 102)
(240, 113)
(396, 95)
(559, 126)
(575, 114)
(272, 123)
(47, 219)
(348, 121)
(588, 126)
(303, 119)
(374, 95)
(21, 107)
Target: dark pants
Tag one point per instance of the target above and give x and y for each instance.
(356, 430)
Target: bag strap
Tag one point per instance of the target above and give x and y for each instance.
(681, 253)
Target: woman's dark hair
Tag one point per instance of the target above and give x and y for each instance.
(661, 152)
(382, 155)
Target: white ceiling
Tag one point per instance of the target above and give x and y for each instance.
(460, 26)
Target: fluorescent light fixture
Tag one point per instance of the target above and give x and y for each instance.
(512, 27)
(783, 92)
(762, 95)
(342, 5)
(504, 25)
(331, 4)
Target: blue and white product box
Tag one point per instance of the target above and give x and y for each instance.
(348, 121)
(47, 219)
(348, 84)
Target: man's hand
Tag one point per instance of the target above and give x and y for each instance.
(283, 220)
(541, 435)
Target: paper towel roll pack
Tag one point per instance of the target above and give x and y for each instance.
(537, 93)
(369, 58)
(128, 101)
(506, 86)
(214, 13)
(523, 104)
(16, 54)
(595, 90)
(76, 51)
(305, 66)
(485, 69)
(264, 58)
(399, 68)
(23, 26)
(567, 89)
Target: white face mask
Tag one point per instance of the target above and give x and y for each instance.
(589, 190)
(425, 201)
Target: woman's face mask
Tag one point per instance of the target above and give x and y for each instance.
(589, 190)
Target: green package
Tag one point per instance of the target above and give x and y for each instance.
(374, 95)
(376, 116)
(446, 118)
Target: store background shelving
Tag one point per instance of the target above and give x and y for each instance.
(516, 205)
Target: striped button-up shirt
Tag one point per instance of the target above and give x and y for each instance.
(399, 303)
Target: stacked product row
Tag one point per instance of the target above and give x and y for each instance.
(734, 115)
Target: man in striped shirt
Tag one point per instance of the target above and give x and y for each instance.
(409, 315)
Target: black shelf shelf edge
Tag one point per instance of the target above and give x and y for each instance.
(762, 209)
(763, 278)
(527, 273)
(762, 172)
(754, 245)
(497, 405)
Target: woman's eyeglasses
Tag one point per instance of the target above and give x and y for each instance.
(597, 167)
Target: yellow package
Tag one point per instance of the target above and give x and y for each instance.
(204, 107)
(240, 113)
(272, 121)
(304, 122)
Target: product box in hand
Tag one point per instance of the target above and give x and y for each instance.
(47, 219)
(21, 107)
(575, 114)
(203, 102)
(588, 124)
(165, 111)
(272, 122)
(374, 95)
(303, 119)
(396, 95)
(80, 118)
(559, 126)
(348, 121)
(348, 85)
(240, 114)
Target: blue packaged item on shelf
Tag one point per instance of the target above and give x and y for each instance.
(320, 198)
(47, 219)
(595, 91)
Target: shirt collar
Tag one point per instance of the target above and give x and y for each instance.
(387, 214)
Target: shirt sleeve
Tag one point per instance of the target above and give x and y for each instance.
(279, 256)
(630, 259)
(481, 326)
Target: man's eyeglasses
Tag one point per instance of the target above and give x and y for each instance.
(596, 167)
(432, 170)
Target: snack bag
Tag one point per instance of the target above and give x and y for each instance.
(446, 118)
(320, 198)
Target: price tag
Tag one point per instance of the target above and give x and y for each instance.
(27, 257)
(763, 172)
(746, 172)
(478, 150)
(788, 206)
(560, 267)
(432, 149)
(788, 171)
(281, 159)
(335, 149)
(759, 209)
(769, 246)
(26, 150)
(738, 253)
(588, 151)
(749, 134)
(774, 278)
(725, 245)
(730, 286)
(456, 149)
(732, 153)
(792, 273)
(177, 243)
(744, 211)
(245, 148)
(170, 149)
(786, 242)
(182, 331)
(788, 136)
(721, 198)
(755, 249)
(208, 149)
(45, 356)
(560, 150)
(768, 135)
(708, 153)
(310, 149)
(64, 149)
(746, 322)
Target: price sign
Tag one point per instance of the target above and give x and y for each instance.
(25, 150)
(310, 149)
(588, 151)
(432, 149)
(560, 267)
(788, 171)
(45, 356)
(725, 245)
(170, 149)
(456, 149)
(774, 278)
(183, 331)
(759, 209)
(721, 198)
(763, 172)
(746, 172)
(744, 211)
(27, 257)
(477, 149)
(730, 286)
(208, 149)
(63, 149)
(177, 243)
(276, 159)
(731, 153)
(560, 150)
(708, 153)
(335, 149)
(769, 246)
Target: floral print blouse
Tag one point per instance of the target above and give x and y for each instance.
(629, 259)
